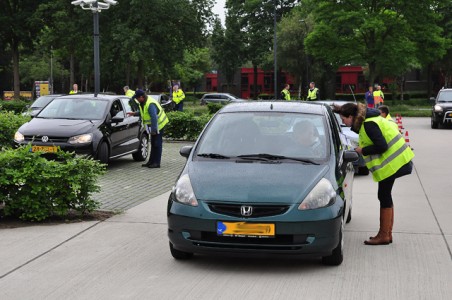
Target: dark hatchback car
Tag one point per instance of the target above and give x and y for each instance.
(264, 177)
(40, 103)
(442, 109)
(96, 127)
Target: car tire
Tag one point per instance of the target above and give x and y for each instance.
(363, 171)
(103, 153)
(434, 124)
(143, 149)
(349, 218)
(180, 255)
(337, 256)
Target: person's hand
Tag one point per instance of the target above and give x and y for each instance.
(359, 150)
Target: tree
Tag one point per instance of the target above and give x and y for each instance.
(256, 21)
(195, 64)
(17, 19)
(379, 33)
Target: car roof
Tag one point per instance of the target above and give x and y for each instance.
(209, 94)
(278, 106)
(92, 97)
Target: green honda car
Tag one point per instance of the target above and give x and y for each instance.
(267, 177)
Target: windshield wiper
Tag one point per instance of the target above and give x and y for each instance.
(270, 157)
(213, 155)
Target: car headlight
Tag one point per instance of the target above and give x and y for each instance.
(183, 192)
(323, 194)
(438, 108)
(19, 137)
(81, 139)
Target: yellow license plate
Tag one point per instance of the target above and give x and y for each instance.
(244, 229)
(52, 149)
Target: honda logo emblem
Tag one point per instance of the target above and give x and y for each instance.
(45, 139)
(246, 211)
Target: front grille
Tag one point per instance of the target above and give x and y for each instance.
(52, 140)
(233, 210)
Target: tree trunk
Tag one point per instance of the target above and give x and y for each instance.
(15, 54)
(299, 88)
(71, 71)
(429, 81)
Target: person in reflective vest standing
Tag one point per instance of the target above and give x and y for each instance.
(178, 98)
(154, 119)
(313, 92)
(285, 93)
(386, 155)
(74, 89)
(128, 92)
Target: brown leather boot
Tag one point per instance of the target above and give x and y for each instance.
(390, 229)
(383, 237)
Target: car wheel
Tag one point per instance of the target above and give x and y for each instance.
(337, 256)
(434, 124)
(102, 153)
(349, 218)
(177, 254)
(142, 152)
(363, 171)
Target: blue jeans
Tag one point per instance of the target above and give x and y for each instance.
(179, 106)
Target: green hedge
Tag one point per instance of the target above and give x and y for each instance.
(185, 125)
(9, 123)
(14, 105)
(34, 188)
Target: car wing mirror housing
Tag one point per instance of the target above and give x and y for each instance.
(432, 100)
(185, 151)
(350, 156)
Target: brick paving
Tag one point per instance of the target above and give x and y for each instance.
(127, 184)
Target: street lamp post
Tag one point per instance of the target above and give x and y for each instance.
(275, 71)
(305, 53)
(96, 7)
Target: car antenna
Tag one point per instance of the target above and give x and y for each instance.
(352, 92)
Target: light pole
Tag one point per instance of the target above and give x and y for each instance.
(275, 71)
(96, 7)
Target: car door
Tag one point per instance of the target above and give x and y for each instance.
(118, 128)
(133, 126)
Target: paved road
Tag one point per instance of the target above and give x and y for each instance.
(127, 256)
(127, 184)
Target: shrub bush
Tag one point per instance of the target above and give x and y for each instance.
(185, 125)
(34, 188)
(214, 107)
(14, 105)
(9, 123)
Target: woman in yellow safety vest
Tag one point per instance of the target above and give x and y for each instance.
(386, 155)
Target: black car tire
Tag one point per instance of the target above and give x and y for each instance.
(434, 124)
(337, 256)
(102, 153)
(363, 171)
(143, 149)
(181, 255)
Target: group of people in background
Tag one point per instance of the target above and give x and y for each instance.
(374, 96)
(312, 93)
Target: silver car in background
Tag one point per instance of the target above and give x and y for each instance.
(223, 98)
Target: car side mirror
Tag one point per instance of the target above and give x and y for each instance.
(185, 151)
(117, 119)
(350, 156)
(432, 100)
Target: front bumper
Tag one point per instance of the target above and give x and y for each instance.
(197, 234)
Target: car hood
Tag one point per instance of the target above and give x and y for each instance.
(256, 182)
(56, 127)
(445, 104)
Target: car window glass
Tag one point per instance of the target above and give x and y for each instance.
(126, 102)
(155, 97)
(445, 96)
(74, 108)
(289, 134)
(42, 101)
(116, 109)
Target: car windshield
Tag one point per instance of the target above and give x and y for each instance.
(264, 135)
(445, 96)
(42, 101)
(75, 108)
(156, 97)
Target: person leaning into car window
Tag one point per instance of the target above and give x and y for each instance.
(154, 119)
(386, 155)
